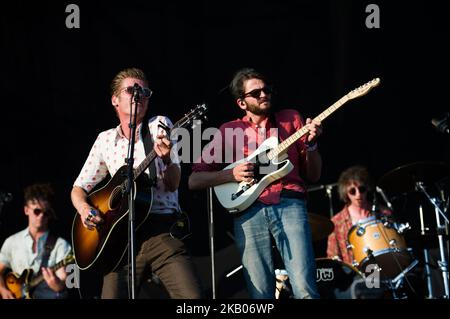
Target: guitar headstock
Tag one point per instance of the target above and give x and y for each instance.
(197, 113)
(363, 89)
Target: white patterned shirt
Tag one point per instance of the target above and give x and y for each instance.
(17, 252)
(108, 154)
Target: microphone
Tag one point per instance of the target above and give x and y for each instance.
(5, 197)
(386, 200)
(441, 125)
(140, 91)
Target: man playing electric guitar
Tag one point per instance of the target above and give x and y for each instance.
(36, 249)
(280, 210)
(157, 250)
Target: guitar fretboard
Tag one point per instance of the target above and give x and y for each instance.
(283, 146)
(144, 164)
(36, 280)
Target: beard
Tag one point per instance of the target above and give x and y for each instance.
(257, 110)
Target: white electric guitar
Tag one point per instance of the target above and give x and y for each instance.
(271, 162)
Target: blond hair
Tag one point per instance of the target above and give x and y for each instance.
(133, 73)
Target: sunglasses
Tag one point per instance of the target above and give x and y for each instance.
(256, 93)
(38, 211)
(146, 92)
(361, 189)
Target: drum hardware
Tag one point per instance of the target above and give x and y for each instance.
(413, 178)
(328, 190)
(361, 231)
(401, 228)
(395, 284)
(368, 252)
(443, 265)
(281, 277)
(428, 273)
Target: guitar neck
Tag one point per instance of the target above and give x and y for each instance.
(283, 146)
(145, 163)
(39, 278)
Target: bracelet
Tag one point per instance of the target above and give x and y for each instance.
(311, 148)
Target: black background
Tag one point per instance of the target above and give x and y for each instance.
(55, 84)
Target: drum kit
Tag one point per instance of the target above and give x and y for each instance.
(382, 260)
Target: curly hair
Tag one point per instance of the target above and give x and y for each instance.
(43, 192)
(355, 174)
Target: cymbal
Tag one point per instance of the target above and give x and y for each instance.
(404, 178)
(321, 226)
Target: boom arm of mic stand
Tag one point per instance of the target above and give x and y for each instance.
(419, 186)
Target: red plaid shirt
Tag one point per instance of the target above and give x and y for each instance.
(337, 241)
(288, 122)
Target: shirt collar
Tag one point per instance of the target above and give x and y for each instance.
(120, 135)
(246, 119)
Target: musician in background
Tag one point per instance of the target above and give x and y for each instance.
(158, 252)
(36, 247)
(354, 187)
(280, 210)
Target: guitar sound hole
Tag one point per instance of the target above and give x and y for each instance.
(115, 198)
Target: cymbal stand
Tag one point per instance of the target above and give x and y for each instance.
(443, 265)
(329, 189)
(426, 257)
(435, 202)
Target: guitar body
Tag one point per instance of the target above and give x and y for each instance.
(18, 285)
(103, 248)
(236, 197)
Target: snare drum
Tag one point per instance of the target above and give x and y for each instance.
(376, 242)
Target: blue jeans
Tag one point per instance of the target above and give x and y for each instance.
(289, 226)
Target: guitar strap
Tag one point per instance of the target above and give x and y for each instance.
(148, 146)
(48, 247)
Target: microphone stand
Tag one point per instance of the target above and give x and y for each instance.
(211, 240)
(130, 190)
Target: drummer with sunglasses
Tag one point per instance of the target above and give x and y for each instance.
(354, 187)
